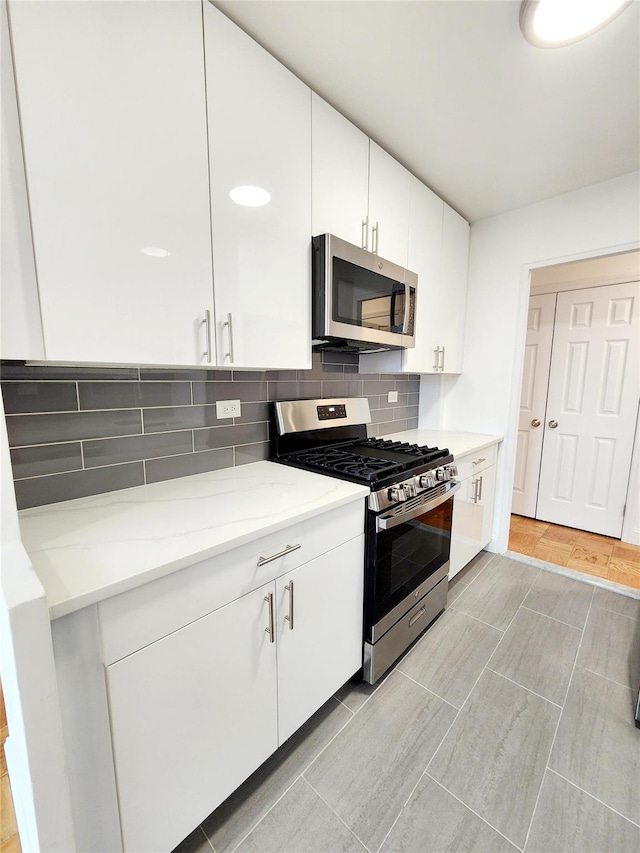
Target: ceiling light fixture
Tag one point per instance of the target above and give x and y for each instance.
(155, 252)
(250, 196)
(555, 23)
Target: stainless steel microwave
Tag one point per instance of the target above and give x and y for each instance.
(359, 299)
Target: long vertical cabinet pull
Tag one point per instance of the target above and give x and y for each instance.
(474, 496)
(480, 488)
(436, 358)
(272, 634)
(365, 233)
(229, 325)
(207, 331)
(289, 617)
(375, 238)
(441, 359)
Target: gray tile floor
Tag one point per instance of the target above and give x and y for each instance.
(508, 726)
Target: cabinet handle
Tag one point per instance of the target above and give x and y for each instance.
(417, 616)
(269, 630)
(375, 234)
(436, 358)
(365, 233)
(289, 618)
(207, 331)
(480, 488)
(442, 358)
(229, 325)
(474, 496)
(262, 561)
(479, 460)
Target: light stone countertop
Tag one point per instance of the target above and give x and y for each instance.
(88, 549)
(459, 443)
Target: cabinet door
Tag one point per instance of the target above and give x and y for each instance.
(112, 109)
(472, 518)
(339, 175)
(21, 328)
(322, 647)
(192, 716)
(425, 258)
(389, 191)
(453, 290)
(259, 117)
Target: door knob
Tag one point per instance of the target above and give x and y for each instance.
(535, 422)
(553, 424)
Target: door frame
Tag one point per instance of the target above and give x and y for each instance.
(631, 522)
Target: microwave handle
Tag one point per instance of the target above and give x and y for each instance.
(389, 521)
(407, 308)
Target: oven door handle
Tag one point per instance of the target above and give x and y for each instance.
(389, 521)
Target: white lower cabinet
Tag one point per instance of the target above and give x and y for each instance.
(321, 647)
(472, 508)
(194, 713)
(192, 716)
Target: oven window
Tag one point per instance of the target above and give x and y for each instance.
(402, 558)
(366, 299)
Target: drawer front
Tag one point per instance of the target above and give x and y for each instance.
(136, 618)
(473, 463)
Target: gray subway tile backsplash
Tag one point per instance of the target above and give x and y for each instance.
(24, 397)
(143, 424)
(51, 428)
(133, 395)
(114, 451)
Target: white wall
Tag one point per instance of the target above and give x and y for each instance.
(596, 220)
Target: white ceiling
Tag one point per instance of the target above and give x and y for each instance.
(452, 90)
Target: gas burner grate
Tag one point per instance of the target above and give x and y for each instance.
(345, 462)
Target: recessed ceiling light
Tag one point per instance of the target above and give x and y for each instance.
(555, 23)
(155, 252)
(250, 196)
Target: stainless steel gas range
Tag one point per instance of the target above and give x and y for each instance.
(408, 519)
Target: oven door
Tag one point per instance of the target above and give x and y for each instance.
(407, 555)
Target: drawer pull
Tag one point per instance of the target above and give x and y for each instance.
(478, 461)
(417, 616)
(262, 561)
(269, 630)
(289, 617)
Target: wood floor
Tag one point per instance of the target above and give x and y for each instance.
(585, 552)
(9, 840)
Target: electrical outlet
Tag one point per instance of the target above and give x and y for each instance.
(228, 409)
(392, 397)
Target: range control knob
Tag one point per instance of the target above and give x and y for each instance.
(443, 474)
(397, 494)
(410, 489)
(453, 469)
(427, 481)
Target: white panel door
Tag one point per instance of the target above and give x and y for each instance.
(112, 108)
(322, 647)
(339, 175)
(389, 199)
(592, 407)
(192, 715)
(259, 117)
(533, 401)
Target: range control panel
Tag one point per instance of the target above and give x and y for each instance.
(331, 413)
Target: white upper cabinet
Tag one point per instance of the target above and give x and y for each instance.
(453, 292)
(389, 191)
(425, 259)
(339, 175)
(112, 106)
(359, 192)
(259, 117)
(21, 330)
